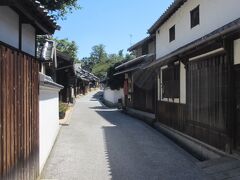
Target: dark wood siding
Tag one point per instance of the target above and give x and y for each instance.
(208, 100)
(237, 92)
(144, 100)
(19, 115)
(172, 115)
(207, 112)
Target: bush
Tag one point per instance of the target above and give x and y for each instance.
(63, 107)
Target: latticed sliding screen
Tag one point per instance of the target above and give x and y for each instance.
(171, 82)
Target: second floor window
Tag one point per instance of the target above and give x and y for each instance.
(195, 18)
(172, 34)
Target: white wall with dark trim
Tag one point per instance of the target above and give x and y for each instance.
(28, 39)
(213, 15)
(48, 121)
(9, 26)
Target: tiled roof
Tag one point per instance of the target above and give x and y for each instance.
(166, 15)
(83, 74)
(44, 12)
(140, 43)
(48, 82)
(36, 13)
(135, 61)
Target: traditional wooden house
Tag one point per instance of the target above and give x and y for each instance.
(20, 22)
(65, 76)
(84, 80)
(198, 60)
(60, 67)
(139, 86)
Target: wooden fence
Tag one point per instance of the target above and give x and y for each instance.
(19, 116)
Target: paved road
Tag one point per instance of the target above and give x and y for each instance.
(102, 144)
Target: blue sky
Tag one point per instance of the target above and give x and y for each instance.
(110, 22)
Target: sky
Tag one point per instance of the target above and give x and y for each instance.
(115, 23)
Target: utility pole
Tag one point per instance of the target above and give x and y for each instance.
(130, 36)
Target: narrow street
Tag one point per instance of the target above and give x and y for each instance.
(102, 144)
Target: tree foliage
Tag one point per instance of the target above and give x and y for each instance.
(59, 8)
(68, 47)
(98, 54)
(103, 65)
(100, 61)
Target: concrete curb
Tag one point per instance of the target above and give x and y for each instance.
(140, 115)
(198, 149)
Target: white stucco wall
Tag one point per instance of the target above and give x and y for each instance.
(113, 96)
(28, 39)
(183, 84)
(9, 26)
(213, 15)
(237, 51)
(48, 122)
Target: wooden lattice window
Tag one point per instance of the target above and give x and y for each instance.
(171, 82)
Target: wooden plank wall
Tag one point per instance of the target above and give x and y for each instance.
(144, 100)
(19, 115)
(209, 100)
(237, 92)
(206, 113)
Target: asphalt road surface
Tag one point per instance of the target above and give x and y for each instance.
(102, 144)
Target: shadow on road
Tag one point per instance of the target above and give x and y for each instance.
(135, 151)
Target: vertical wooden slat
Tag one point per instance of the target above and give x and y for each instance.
(19, 116)
(1, 111)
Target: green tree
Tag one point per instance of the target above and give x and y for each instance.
(59, 8)
(100, 70)
(68, 47)
(87, 64)
(100, 61)
(98, 54)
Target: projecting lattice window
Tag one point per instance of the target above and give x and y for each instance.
(172, 34)
(171, 82)
(195, 17)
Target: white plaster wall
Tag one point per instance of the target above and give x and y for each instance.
(48, 122)
(9, 26)
(113, 95)
(237, 51)
(183, 84)
(213, 15)
(28, 39)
